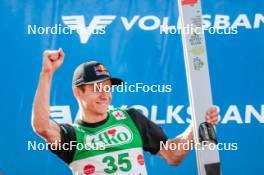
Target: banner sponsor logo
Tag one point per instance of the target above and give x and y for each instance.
(98, 24)
(181, 114)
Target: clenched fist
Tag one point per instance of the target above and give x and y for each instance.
(52, 60)
(212, 116)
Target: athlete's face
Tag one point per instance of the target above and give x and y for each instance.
(95, 99)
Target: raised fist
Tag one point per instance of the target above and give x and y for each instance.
(52, 60)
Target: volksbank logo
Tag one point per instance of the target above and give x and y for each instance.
(109, 137)
(98, 24)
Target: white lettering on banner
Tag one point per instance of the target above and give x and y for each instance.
(150, 22)
(142, 23)
(154, 115)
(251, 111)
(128, 25)
(60, 114)
(232, 114)
(206, 21)
(174, 114)
(242, 21)
(179, 114)
(221, 22)
(189, 111)
(258, 19)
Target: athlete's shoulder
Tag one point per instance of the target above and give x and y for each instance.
(66, 127)
(135, 114)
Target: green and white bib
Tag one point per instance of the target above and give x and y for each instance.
(114, 147)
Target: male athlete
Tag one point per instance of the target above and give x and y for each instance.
(114, 139)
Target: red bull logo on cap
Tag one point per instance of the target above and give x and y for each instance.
(101, 70)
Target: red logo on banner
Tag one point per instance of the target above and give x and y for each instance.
(140, 159)
(188, 2)
(88, 169)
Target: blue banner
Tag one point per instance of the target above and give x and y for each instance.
(133, 41)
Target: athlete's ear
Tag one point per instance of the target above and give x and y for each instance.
(77, 92)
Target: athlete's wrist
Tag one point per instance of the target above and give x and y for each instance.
(46, 75)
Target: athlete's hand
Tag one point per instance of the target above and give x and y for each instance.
(212, 116)
(52, 60)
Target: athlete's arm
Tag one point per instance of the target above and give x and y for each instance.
(41, 124)
(152, 135)
(175, 156)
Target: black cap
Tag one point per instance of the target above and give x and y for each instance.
(92, 72)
